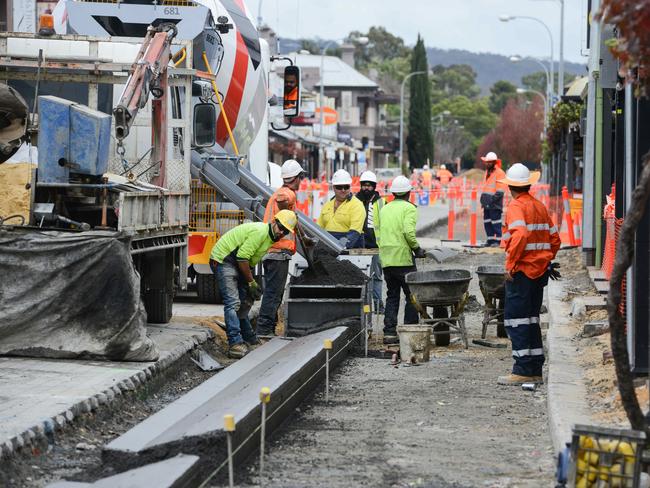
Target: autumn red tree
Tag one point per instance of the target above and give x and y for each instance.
(517, 136)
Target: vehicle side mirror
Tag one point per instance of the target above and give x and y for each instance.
(291, 103)
(204, 125)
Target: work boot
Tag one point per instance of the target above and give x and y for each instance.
(380, 308)
(237, 351)
(254, 344)
(518, 380)
(391, 339)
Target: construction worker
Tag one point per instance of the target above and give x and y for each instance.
(427, 177)
(531, 241)
(373, 203)
(492, 199)
(276, 261)
(231, 260)
(444, 175)
(343, 215)
(398, 247)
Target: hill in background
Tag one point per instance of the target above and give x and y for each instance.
(489, 68)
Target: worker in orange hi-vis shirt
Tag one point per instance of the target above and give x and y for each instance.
(444, 175)
(276, 261)
(427, 177)
(531, 242)
(492, 198)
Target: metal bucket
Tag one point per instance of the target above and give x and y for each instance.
(439, 287)
(492, 280)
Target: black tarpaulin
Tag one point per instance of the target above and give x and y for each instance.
(71, 295)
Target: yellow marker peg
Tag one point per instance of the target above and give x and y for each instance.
(229, 423)
(366, 309)
(327, 344)
(265, 395)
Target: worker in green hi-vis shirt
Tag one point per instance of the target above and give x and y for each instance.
(231, 260)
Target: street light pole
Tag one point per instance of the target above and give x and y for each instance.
(560, 81)
(541, 95)
(401, 112)
(507, 18)
(516, 59)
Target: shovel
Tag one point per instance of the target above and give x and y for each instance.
(308, 250)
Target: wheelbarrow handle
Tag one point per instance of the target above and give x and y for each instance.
(421, 310)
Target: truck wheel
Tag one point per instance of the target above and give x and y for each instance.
(158, 304)
(501, 330)
(207, 288)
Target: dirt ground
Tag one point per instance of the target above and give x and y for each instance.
(444, 423)
(594, 353)
(74, 454)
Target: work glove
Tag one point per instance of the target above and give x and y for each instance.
(553, 272)
(420, 253)
(254, 290)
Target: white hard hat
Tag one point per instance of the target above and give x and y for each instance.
(426, 166)
(520, 175)
(443, 166)
(368, 176)
(490, 157)
(400, 184)
(291, 168)
(341, 177)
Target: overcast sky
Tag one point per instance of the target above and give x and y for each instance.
(463, 24)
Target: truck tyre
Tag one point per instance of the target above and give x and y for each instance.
(158, 304)
(207, 288)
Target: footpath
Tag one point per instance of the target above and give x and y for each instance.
(430, 217)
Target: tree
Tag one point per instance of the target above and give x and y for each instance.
(475, 115)
(535, 81)
(381, 46)
(419, 141)
(516, 137)
(457, 79)
(500, 93)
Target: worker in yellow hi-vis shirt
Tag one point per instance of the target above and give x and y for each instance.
(344, 215)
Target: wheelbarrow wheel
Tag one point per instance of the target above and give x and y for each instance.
(501, 330)
(441, 339)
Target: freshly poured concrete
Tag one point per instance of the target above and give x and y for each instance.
(38, 395)
(194, 423)
(177, 472)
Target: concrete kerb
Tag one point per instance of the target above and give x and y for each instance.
(45, 429)
(567, 394)
(424, 229)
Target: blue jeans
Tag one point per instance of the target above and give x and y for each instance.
(275, 279)
(236, 303)
(523, 303)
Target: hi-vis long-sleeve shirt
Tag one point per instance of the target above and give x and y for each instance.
(530, 238)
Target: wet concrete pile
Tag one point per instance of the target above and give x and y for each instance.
(327, 270)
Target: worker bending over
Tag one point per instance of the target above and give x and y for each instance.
(398, 247)
(343, 215)
(231, 260)
(276, 261)
(373, 203)
(492, 199)
(531, 242)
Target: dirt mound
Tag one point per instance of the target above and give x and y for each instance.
(14, 197)
(475, 175)
(327, 270)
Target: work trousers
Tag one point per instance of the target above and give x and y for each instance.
(275, 279)
(492, 223)
(376, 278)
(395, 277)
(523, 303)
(237, 302)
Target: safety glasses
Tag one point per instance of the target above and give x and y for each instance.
(342, 187)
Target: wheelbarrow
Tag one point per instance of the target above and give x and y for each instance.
(445, 290)
(493, 288)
